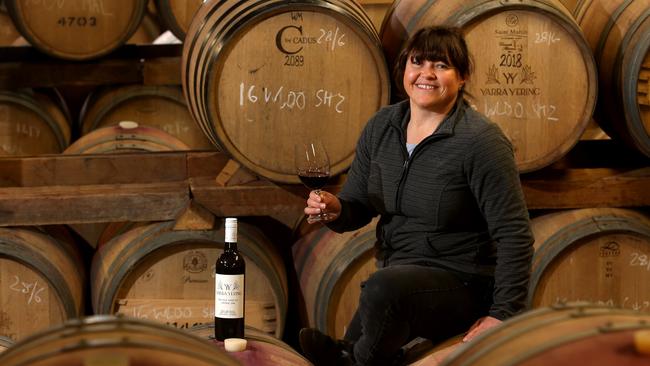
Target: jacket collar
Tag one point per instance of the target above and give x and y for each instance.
(402, 115)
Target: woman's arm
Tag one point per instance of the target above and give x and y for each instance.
(355, 210)
(494, 180)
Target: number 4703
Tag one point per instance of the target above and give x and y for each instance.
(77, 21)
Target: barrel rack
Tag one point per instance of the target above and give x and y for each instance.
(68, 189)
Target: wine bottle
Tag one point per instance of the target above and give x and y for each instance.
(229, 288)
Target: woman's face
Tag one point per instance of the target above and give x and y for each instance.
(431, 85)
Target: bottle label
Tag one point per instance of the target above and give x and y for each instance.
(231, 230)
(229, 296)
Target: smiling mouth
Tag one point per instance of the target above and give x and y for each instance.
(425, 86)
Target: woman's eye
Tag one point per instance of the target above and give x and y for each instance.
(441, 66)
(415, 60)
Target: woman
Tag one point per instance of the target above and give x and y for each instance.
(453, 240)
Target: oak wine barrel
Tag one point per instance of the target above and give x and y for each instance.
(564, 336)
(167, 275)
(618, 32)
(44, 282)
(261, 348)
(177, 15)
(76, 29)
(109, 340)
(330, 269)
(535, 75)
(127, 136)
(598, 255)
(161, 107)
(261, 76)
(33, 123)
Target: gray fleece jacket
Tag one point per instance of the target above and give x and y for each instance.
(455, 203)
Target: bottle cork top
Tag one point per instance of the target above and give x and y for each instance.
(234, 344)
(128, 125)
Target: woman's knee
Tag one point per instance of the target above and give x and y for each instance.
(385, 286)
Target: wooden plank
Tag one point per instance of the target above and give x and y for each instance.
(584, 188)
(234, 174)
(61, 189)
(90, 169)
(96, 203)
(206, 164)
(195, 217)
(31, 75)
(27, 53)
(25, 67)
(162, 71)
(256, 199)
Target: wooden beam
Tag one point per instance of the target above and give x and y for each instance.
(92, 169)
(25, 67)
(584, 188)
(89, 204)
(259, 198)
(64, 189)
(195, 217)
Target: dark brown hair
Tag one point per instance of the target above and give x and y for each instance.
(435, 43)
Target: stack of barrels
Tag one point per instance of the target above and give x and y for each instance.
(258, 77)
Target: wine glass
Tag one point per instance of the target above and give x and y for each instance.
(313, 168)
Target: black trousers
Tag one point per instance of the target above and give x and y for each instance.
(401, 302)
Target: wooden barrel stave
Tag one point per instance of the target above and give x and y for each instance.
(132, 274)
(522, 51)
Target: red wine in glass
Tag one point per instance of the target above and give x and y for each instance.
(314, 179)
(313, 168)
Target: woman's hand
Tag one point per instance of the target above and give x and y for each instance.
(481, 326)
(321, 203)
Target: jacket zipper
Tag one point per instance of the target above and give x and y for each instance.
(407, 165)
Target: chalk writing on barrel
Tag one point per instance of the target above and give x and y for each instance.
(285, 98)
(331, 38)
(87, 6)
(627, 303)
(32, 290)
(640, 260)
(520, 110)
(546, 37)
